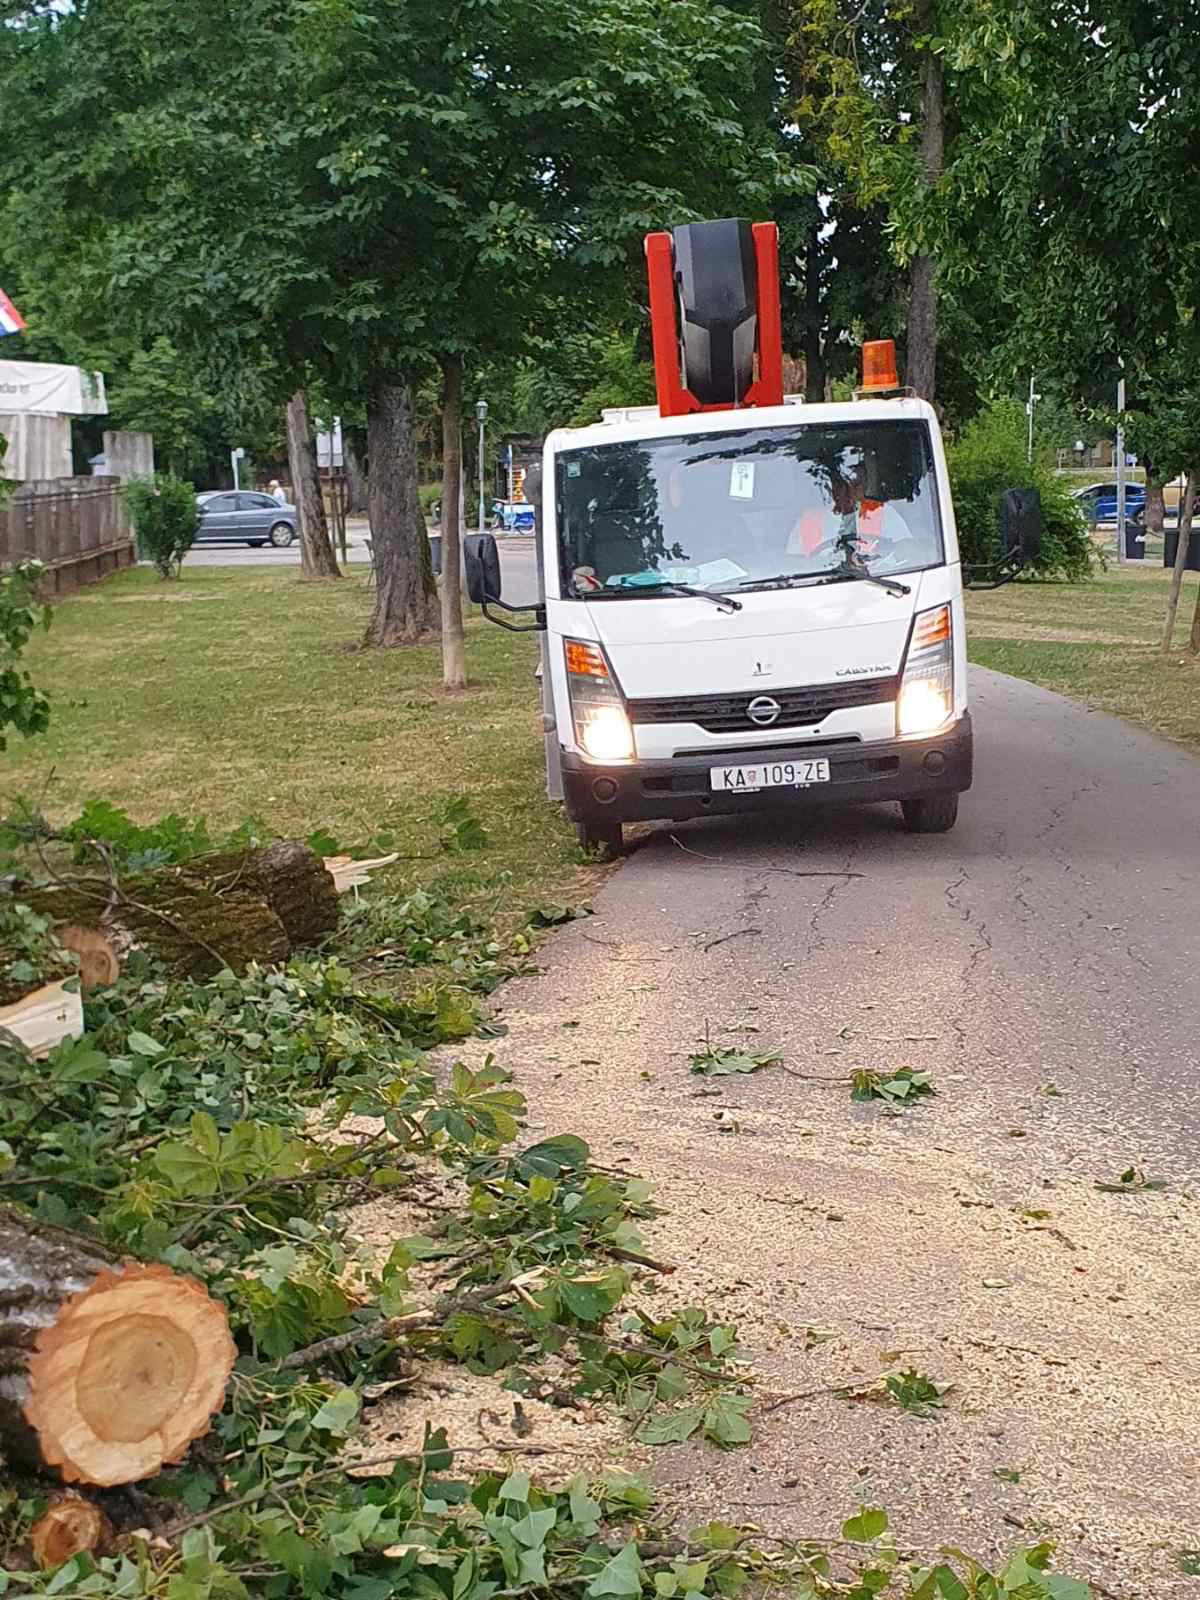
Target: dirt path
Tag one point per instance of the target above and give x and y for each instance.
(1038, 945)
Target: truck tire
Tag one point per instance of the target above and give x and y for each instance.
(606, 838)
(930, 813)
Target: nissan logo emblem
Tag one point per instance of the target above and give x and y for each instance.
(763, 710)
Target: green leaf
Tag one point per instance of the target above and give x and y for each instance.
(515, 1487)
(552, 1157)
(671, 1384)
(868, 1525)
(338, 1414)
(532, 1529)
(585, 1512)
(622, 1576)
(672, 1428)
(143, 1045)
(725, 1419)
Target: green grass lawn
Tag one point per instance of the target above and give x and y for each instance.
(237, 693)
(1098, 642)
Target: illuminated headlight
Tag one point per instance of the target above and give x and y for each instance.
(601, 726)
(926, 700)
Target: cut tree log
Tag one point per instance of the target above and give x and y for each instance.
(44, 1018)
(224, 909)
(107, 1372)
(70, 1525)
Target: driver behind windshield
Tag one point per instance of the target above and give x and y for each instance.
(851, 526)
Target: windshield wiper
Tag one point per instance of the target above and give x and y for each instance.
(850, 569)
(725, 601)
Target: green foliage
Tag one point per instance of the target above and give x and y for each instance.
(898, 1088)
(914, 1392)
(722, 1061)
(165, 519)
(1133, 1181)
(30, 954)
(135, 847)
(160, 393)
(621, 379)
(989, 456)
(22, 706)
(719, 1061)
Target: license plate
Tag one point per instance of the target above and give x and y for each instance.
(769, 775)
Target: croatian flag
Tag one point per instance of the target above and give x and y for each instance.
(11, 320)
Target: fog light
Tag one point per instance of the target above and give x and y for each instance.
(607, 735)
(923, 707)
(934, 762)
(604, 790)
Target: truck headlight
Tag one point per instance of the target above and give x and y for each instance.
(926, 701)
(601, 726)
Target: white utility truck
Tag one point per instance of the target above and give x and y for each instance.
(746, 601)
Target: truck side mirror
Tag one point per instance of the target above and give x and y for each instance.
(481, 563)
(1021, 525)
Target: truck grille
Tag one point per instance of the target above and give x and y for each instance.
(798, 708)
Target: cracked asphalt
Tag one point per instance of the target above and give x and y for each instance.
(1041, 961)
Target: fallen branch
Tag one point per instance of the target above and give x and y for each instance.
(740, 933)
(813, 1394)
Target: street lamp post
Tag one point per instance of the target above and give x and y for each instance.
(1120, 465)
(481, 411)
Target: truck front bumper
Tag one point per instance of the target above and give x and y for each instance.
(652, 791)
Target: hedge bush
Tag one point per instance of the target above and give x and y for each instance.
(165, 520)
(989, 456)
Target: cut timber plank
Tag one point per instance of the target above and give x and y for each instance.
(46, 1016)
(350, 874)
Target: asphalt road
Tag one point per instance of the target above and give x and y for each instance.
(1041, 961)
(518, 560)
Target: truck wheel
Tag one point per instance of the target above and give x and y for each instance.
(605, 838)
(931, 813)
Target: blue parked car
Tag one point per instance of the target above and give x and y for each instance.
(1099, 501)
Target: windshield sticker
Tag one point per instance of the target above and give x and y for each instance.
(741, 480)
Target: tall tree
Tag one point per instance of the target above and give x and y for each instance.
(316, 550)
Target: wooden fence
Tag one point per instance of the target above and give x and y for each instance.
(76, 527)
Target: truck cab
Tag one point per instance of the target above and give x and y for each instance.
(749, 603)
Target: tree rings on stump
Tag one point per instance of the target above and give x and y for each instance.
(128, 1374)
(69, 1526)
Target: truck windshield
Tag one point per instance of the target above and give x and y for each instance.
(755, 509)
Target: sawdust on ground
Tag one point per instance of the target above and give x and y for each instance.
(846, 1243)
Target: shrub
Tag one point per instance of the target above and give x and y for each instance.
(989, 456)
(163, 509)
(22, 705)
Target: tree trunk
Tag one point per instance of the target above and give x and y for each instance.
(226, 909)
(406, 601)
(814, 350)
(1181, 554)
(107, 1373)
(316, 553)
(454, 660)
(356, 477)
(1154, 501)
(922, 297)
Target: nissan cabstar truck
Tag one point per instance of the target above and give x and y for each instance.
(746, 601)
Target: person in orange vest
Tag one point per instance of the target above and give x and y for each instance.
(858, 522)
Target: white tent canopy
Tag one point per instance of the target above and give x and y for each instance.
(40, 388)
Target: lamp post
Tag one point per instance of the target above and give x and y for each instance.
(1121, 463)
(481, 411)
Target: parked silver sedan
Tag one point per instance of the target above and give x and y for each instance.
(244, 517)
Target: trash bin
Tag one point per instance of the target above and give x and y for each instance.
(1171, 545)
(435, 552)
(1135, 539)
